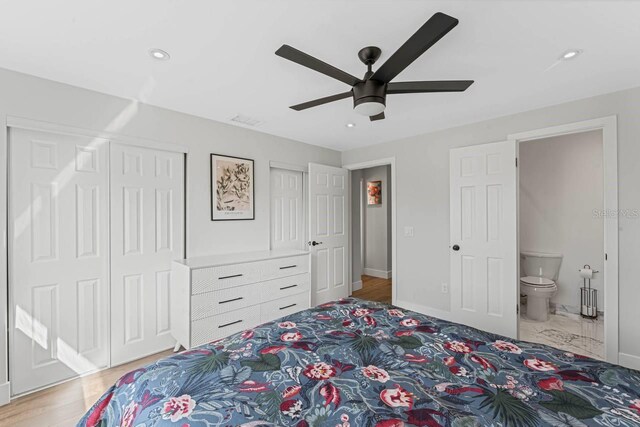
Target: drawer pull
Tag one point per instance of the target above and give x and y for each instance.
(288, 306)
(230, 300)
(288, 287)
(229, 324)
(288, 266)
(229, 277)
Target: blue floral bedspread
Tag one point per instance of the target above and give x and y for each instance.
(358, 363)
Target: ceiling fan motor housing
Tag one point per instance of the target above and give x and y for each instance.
(369, 91)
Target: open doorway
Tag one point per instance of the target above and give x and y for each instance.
(561, 229)
(372, 233)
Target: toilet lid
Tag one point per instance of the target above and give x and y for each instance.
(537, 281)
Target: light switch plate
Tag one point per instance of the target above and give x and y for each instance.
(445, 288)
(408, 231)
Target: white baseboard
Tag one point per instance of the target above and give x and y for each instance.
(428, 311)
(356, 286)
(629, 361)
(377, 273)
(5, 393)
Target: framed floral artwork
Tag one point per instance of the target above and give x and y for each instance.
(374, 192)
(232, 191)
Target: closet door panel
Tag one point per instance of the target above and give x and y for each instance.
(147, 226)
(58, 267)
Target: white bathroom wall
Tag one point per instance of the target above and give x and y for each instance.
(561, 194)
(377, 220)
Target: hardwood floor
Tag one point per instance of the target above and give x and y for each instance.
(374, 289)
(63, 405)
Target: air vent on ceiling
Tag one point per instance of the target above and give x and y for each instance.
(245, 120)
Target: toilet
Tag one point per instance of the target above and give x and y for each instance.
(538, 282)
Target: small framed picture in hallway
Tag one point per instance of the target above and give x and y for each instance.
(374, 192)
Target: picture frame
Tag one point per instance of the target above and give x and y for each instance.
(232, 188)
(374, 192)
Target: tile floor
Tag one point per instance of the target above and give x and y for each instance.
(567, 331)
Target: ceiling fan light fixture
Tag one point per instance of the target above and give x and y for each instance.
(369, 107)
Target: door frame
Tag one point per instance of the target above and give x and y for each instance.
(8, 121)
(608, 126)
(389, 161)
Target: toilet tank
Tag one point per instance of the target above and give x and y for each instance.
(540, 264)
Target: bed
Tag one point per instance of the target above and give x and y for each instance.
(360, 363)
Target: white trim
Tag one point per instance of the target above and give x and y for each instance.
(609, 127)
(288, 166)
(30, 124)
(391, 161)
(629, 361)
(5, 390)
(382, 274)
(356, 286)
(5, 393)
(427, 311)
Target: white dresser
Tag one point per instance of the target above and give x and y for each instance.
(216, 296)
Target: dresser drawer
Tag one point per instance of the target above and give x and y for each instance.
(226, 276)
(224, 300)
(283, 307)
(212, 328)
(283, 267)
(284, 287)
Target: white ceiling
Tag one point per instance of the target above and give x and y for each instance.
(223, 63)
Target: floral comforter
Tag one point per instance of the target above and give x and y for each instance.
(357, 363)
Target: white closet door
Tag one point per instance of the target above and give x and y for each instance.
(287, 210)
(147, 229)
(58, 257)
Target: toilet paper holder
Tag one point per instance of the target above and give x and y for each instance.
(588, 296)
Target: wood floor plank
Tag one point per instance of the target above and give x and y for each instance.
(64, 404)
(374, 289)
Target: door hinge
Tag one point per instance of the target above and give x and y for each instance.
(606, 257)
(517, 308)
(516, 162)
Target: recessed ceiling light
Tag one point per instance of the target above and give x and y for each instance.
(570, 54)
(351, 125)
(159, 54)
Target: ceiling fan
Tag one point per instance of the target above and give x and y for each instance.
(370, 93)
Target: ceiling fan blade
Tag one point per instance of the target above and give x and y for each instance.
(431, 86)
(433, 30)
(321, 101)
(299, 57)
(377, 117)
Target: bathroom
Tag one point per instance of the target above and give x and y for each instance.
(561, 231)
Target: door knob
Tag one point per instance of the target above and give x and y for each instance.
(314, 243)
(455, 247)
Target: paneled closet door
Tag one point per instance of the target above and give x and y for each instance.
(58, 257)
(147, 229)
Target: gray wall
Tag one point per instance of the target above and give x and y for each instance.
(422, 187)
(377, 222)
(561, 184)
(44, 100)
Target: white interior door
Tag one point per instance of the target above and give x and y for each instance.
(287, 210)
(483, 237)
(328, 233)
(147, 229)
(58, 257)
